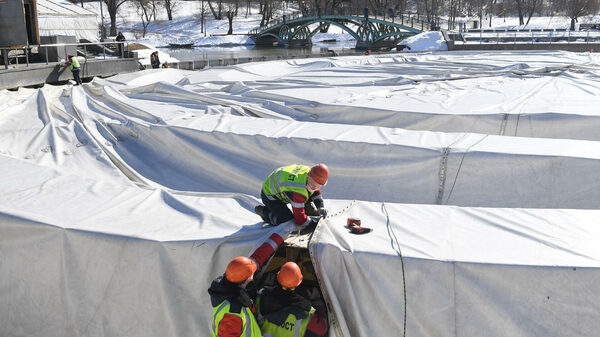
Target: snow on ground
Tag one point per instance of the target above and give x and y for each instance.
(186, 27)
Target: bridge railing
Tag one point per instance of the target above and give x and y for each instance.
(412, 20)
(529, 36)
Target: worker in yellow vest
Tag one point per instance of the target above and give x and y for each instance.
(232, 294)
(233, 308)
(297, 185)
(285, 313)
(75, 68)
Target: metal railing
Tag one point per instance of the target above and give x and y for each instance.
(490, 36)
(61, 49)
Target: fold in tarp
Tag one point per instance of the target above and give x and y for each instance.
(122, 199)
(224, 153)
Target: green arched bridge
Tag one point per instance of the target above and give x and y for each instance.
(369, 31)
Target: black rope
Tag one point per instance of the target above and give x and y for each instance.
(390, 229)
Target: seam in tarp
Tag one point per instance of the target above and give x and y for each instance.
(503, 124)
(333, 323)
(442, 175)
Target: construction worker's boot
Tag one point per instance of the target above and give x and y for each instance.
(263, 212)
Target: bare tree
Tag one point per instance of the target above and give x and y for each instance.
(169, 6)
(578, 8)
(145, 9)
(113, 7)
(202, 16)
(266, 9)
(231, 13)
(520, 11)
(530, 6)
(248, 9)
(218, 13)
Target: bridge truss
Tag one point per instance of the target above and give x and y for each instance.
(367, 31)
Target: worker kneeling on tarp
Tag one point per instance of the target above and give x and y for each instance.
(282, 312)
(298, 185)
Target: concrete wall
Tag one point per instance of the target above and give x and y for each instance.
(37, 74)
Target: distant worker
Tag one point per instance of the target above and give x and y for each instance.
(120, 38)
(298, 185)
(75, 68)
(233, 308)
(154, 60)
(285, 313)
(165, 65)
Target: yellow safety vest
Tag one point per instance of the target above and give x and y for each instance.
(292, 327)
(74, 63)
(290, 178)
(250, 326)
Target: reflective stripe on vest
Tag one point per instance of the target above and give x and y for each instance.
(290, 178)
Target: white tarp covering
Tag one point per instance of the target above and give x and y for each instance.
(465, 271)
(121, 200)
(65, 18)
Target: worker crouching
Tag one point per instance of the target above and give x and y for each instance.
(285, 313)
(297, 185)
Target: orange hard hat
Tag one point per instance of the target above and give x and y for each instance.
(239, 269)
(290, 275)
(319, 173)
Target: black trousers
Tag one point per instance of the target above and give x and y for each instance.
(278, 212)
(76, 75)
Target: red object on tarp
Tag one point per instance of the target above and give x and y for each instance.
(353, 222)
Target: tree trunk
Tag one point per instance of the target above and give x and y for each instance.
(520, 10)
(230, 19)
(212, 10)
(169, 8)
(112, 7)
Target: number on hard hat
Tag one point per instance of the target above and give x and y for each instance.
(319, 173)
(290, 275)
(240, 269)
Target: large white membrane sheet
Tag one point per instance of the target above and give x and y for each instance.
(462, 271)
(82, 257)
(121, 200)
(224, 153)
(548, 94)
